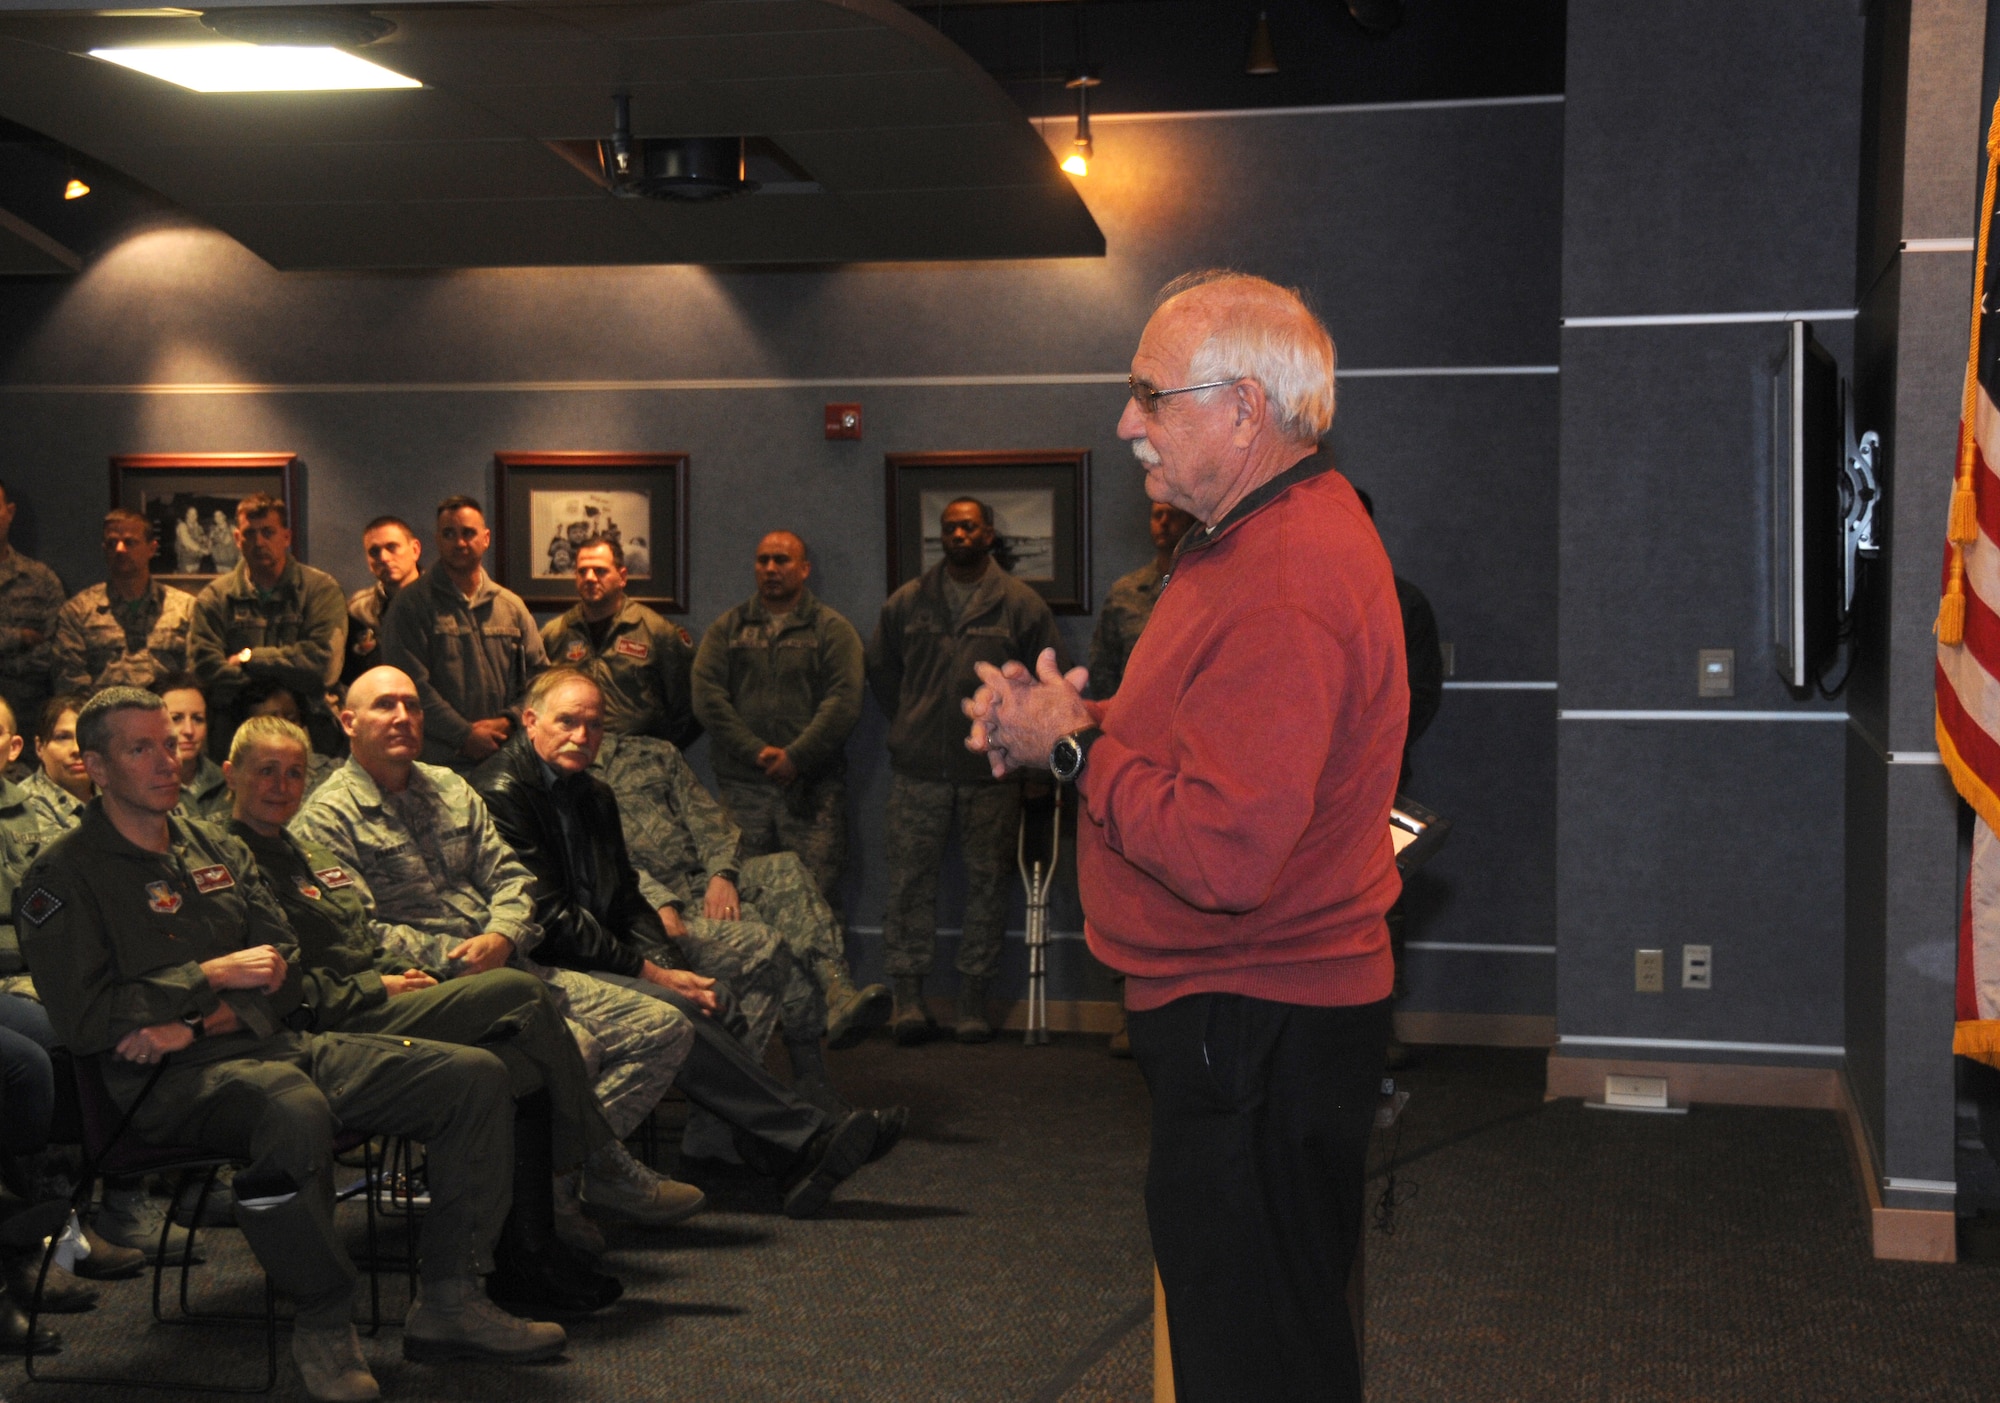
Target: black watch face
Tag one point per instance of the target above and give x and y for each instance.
(1064, 758)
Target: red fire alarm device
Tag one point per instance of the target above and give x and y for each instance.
(843, 421)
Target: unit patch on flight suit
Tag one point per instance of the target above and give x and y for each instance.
(162, 898)
(40, 905)
(306, 889)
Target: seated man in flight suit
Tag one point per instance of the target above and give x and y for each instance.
(156, 946)
(353, 985)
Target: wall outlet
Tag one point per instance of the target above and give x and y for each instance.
(1715, 672)
(1649, 1093)
(1696, 967)
(1649, 972)
(1449, 656)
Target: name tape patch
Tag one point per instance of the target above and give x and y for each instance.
(633, 648)
(40, 905)
(334, 877)
(208, 879)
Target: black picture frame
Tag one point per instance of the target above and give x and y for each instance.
(163, 487)
(1048, 487)
(579, 492)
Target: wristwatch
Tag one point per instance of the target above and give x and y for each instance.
(1067, 755)
(194, 1022)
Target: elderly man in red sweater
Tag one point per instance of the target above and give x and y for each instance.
(1234, 854)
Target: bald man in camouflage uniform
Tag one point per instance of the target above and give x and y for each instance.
(684, 845)
(30, 598)
(434, 874)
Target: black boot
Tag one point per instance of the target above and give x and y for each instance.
(532, 1267)
(14, 1337)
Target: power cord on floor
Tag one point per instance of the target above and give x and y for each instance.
(1389, 1116)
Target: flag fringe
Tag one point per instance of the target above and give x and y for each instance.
(1978, 1039)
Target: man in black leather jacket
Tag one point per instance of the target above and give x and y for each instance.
(562, 823)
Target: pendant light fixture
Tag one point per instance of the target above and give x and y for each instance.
(1078, 160)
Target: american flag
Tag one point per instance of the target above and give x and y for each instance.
(1968, 662)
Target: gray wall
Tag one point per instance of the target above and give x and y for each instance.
(1428, 237)
(1710, 166)
(1918, 182)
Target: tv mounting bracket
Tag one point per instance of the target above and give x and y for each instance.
(1860, 494)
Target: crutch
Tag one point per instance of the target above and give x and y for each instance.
(1038, 883)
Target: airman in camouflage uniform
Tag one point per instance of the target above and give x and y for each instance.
(637, 659)
(48, 810)
(206, 795)
(394, 559)
(1130, 603)
(129, 631)
(30, 598)
(961, 611)
(680, 841)
(777, 683)
(431, 870)
(270, 616)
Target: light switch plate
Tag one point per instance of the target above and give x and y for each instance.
(1649, 972)
(1697, 967)
(1715, 672)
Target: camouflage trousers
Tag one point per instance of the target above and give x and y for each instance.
(756, 963)
(807, 817)
(919, 821)
(632, 1045)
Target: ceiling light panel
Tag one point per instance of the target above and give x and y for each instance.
(229, 67)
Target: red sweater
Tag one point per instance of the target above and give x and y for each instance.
(1235, 827)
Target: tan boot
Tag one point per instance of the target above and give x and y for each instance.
(851, 1013)
(454, 1320)
(616, 1183)
(912, 1023)
(972, 1026)
(331, 1366)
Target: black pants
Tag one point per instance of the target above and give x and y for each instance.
(1261, 1114)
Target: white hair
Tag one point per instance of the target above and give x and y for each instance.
(1268, 334)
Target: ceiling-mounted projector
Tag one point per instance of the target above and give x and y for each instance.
(301, 26)
(671, 168)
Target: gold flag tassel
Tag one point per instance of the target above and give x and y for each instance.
(1963, 527)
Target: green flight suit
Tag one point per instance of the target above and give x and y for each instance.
(295, 633)
(116, 934)
(641, 666)
(794, 683)
(508, 1012)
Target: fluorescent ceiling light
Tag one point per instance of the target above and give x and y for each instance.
(229, 67)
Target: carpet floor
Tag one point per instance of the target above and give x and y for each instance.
(1518, 1250)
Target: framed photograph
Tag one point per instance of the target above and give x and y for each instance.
(1040, 500)
(191, 498)
(547, 506)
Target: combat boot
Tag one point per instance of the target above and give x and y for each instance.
(912, 1023)
(972, 1026)
(616, 1183)
(569, 1224)
(128, 1217)
(331, 1366)
(454, 1320)
(851, 1013)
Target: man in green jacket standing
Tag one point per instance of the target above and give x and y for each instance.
(270, 616)
(638, 660)
(964, 610)
(778, 685)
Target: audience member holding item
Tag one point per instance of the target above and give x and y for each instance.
(1234, 856)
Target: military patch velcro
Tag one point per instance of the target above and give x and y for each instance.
(208, 879)
(633, 648)
(40, 905)
(334, 877)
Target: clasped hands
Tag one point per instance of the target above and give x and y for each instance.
(261, 968)
(1018, 716)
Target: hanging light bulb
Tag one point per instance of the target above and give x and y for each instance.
(1078, 160)
(1263, 59)
(75, 190)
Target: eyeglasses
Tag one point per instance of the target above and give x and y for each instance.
(1148, 398)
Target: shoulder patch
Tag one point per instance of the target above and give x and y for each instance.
(334, 877)
(40, 905)
(633, 648)
(687, 639)
(577, 651)
(208, 879)
(162, 899)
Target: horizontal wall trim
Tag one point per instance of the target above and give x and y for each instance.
(821, 382)
(1701, 716)
(1893, 757)
(1962, 245)
(1339, 109)
(1703, 1045)
(1920, 1186)
(1833, 314)
(1473, 947)
(1500, 686)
